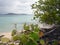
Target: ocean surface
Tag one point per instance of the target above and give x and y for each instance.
(7, 22)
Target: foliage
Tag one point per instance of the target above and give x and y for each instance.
(29, 36)
(14, 32)
(1, 44)
(42, 42)
(47, 11)
(23, 39)
(34, 27)
(26, 27)
(15, 37)
(32, 36)
(55, 42)
(5, 39)
(11, 44)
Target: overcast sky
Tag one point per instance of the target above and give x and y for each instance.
(16, 6)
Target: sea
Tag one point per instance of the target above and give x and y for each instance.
(7, 22)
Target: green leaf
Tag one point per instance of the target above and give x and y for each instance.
(55, 42)
(42, 42)
(23, 38)
(15, 38)
(34, 35)
(50, 11)
(30, 42)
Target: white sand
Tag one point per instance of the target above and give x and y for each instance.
(6, 34)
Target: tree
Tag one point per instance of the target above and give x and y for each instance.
(47, 11)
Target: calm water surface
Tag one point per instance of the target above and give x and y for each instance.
(7, 22)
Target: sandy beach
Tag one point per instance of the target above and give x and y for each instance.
(6, 34)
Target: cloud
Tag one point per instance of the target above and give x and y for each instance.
(16, 6)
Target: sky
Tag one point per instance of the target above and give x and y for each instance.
(16, 6)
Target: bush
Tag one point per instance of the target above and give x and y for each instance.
(26, 27)
(5, 39)
(15, 38)
(14, 32)
(11, 44)
(30, 36)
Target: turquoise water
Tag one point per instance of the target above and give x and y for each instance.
(7, 22)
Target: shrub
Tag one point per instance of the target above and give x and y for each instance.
(5, 39)
(14, 32)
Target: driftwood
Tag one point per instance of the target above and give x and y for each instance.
(1, 36)
(50, 31)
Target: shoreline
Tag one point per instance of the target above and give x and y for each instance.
(6, 34)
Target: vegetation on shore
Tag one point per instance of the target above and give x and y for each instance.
(47, 11)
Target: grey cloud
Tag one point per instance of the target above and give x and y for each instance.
(18, 6)
(4, 3)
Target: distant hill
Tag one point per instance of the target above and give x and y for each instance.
(15, 14)
(11, 14)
